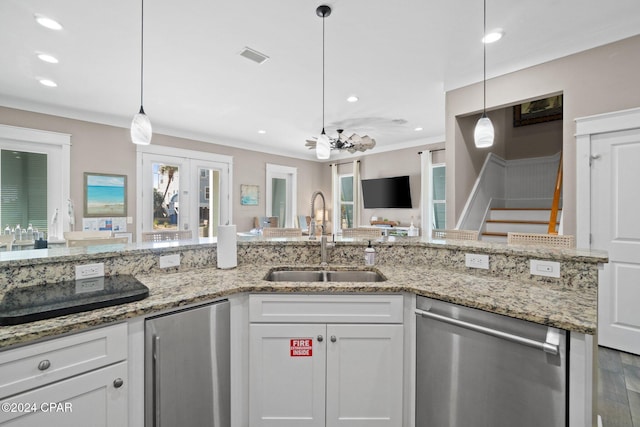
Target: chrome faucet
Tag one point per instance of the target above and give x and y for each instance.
(312, 225)
(324, 246)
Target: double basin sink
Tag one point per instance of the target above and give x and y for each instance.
(282, 275)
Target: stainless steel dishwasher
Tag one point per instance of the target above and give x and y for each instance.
(479, 369)
(187, 379)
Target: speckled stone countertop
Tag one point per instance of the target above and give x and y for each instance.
(540, 302)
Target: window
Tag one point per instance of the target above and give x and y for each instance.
(438, 173)
(281, 194)
(34, 180)
(346, 201)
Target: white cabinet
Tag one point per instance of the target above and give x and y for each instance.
(319, 374)
(75, 380)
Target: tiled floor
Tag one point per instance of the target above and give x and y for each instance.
(618, 388)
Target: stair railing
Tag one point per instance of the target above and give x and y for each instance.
(553, 217)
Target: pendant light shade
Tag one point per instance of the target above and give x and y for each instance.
(141, 130)
(483, 134)
(323, 147)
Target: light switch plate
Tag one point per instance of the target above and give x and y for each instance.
(89, 271)
(477, 261)
(167, 261)
(544, 268)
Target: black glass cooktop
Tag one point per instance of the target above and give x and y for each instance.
(31, 303)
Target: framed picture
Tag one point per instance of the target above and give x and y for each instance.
(538, 111)
(249, 195)
(105, 195)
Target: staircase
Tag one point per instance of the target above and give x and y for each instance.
(524, 220)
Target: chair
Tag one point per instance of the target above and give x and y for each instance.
(303, 223)
(73, 243)
(454, 234)
(281, 232)
(557, 240)
(265, 221)
(165, 235)
(362, 232)
(6, 241)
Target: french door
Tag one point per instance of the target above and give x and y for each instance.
(187, 190)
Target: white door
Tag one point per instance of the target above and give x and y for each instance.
(364, 375)
(287, 386)
(615, 227)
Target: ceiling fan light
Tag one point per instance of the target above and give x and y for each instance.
(141, 131)
(323, 147)
(483, 133)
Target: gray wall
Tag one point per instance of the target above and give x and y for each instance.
(596, 81)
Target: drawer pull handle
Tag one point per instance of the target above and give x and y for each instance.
(320, 338)
(333, 338)
(117, 383)
(44, 365)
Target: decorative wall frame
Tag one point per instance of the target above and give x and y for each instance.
(105, 195)
(538, 111)
(249, 194)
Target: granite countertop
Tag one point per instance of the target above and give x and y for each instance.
(570, 309)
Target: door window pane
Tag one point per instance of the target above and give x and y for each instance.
(166, 189)
(346, 201)
(279, 200)
(439, 188)
(23, 189)
(209, 202)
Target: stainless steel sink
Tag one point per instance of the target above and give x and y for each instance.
(276, 275)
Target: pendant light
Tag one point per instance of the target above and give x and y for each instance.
(323, 147)
(483, 133)
(141, 125)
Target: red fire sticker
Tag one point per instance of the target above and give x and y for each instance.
(301, 347)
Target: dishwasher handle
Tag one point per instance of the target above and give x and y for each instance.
(156, 379)
(551, 345)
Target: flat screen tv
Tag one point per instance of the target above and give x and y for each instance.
(386, 192)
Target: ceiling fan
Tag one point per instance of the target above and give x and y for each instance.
(352, 144)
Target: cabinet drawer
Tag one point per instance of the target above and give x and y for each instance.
(267, 308)
(38, 364)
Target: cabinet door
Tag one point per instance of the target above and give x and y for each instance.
(364, 375)
(287, 375)
(91, 399)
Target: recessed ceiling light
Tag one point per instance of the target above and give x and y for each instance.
(418, 129)
(48, 58)
(262, 131)
(48, 22)
(493, 36)
(352, 98)
(48, 83)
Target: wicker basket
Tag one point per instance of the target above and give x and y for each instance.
(557, 240)
(164, 235)
(455, 234)
(362, 232)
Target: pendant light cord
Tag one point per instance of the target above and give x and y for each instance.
(323, 17)
(141, 56)
(484, 61)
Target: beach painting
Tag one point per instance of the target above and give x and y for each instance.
(105, 195)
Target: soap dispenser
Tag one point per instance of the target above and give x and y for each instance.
(369, 255)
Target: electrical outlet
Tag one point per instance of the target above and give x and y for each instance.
(544, 268)
(167, 261)
(89, 271)
(476, 261)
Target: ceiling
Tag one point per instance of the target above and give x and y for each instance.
(398, 57)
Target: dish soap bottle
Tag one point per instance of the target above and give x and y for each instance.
(369, 255)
